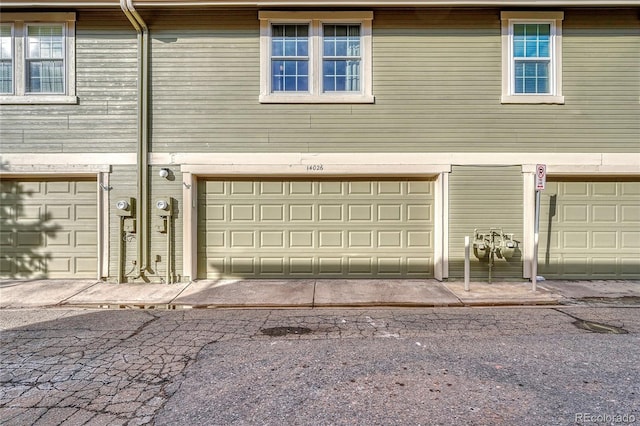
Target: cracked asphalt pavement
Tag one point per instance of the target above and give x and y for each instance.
(467, 366)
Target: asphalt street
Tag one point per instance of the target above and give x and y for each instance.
(560, 365)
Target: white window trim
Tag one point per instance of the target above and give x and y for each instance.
(508, 91)
(19, 23)
(315, 21)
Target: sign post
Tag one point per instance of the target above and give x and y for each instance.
(541, 180)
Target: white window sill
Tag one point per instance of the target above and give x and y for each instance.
(310, 99)
(532, 99)
(38, 100)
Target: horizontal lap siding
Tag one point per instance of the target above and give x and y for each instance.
(484, 198)
(437, 83)
(206, 82)
(123, 183)
(437, 76)
(601, 77)
(104, 120)
(166, 188)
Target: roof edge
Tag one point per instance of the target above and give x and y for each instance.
(318, 3)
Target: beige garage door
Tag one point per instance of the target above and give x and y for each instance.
(49, 228)
(304, 228)
(590, 229)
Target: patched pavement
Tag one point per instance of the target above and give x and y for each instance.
(315, 366)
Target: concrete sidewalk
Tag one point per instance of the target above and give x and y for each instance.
(303, 293)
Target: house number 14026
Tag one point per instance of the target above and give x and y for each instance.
(315, 167)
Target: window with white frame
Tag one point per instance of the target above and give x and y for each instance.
(37, 60)
(532, 57)
(315, 57)
(6, 58)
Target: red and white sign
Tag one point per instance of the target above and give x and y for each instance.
(541, 176)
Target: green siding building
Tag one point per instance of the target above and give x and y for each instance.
(172, 141)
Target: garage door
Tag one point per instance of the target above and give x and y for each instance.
(49, 228)
(590, 229)
(303, 228)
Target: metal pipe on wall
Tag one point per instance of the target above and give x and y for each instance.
(169, 238)
(120, 250)
(142, 207)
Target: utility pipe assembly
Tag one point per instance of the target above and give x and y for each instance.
(142, 206)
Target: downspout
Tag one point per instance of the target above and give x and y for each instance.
(142, 206)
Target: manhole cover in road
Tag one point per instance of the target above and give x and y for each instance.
(596, 327)
(283, 331)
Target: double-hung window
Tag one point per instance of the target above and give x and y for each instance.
(37, 60)
(6, 58)
(315, 57)
(532, 57)
(290, 58)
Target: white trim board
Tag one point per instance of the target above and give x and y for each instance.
(85, 158)
(627, 162)
(42, 170)
(577, 170)
(315, 170)
(630, 160)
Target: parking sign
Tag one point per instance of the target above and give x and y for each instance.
(541, 176)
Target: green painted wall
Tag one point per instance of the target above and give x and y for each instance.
(166, 188)
(437, 76)
(104, 120)
(123, 183)
(484, 198)
(437, 83)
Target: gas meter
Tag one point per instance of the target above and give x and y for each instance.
(507, 247)
(481, 245)
(488, 245)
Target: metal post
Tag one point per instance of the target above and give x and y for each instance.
(467, 265)
(121, 257)
(492, 248)
(169, 236)
(534, 269)
(534, 263)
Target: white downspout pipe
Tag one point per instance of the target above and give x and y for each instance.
(142, 205)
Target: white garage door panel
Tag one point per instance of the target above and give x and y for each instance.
(49, 228)
(590, 230)
(360, 228)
